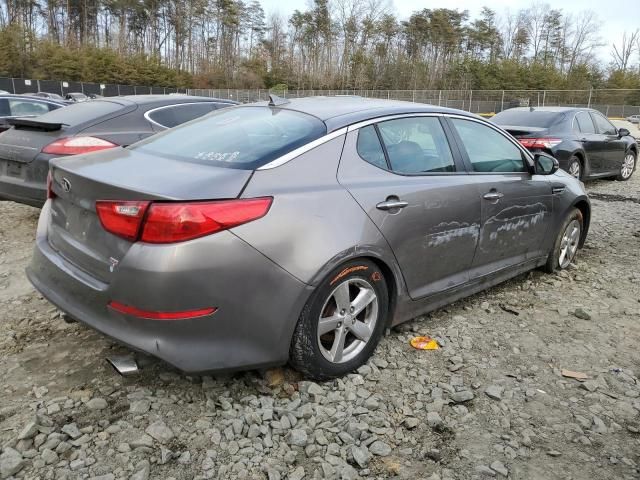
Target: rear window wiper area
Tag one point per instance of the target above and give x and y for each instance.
(31, 124)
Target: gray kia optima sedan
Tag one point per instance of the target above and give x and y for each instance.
(297, 230)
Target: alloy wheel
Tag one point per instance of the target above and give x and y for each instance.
(347, 320)
(569, 243)
(574, 169)
(627, 166)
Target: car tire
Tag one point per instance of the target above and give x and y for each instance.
(567, 242)
(324, 352)
(628, 166)
(574, 167)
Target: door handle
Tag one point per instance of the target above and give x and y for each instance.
(391, 204)
(493, 196)
(584, 140)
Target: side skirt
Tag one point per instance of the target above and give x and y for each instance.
(409, 309)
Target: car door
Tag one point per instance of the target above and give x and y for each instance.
(592, 143)
(614, 147)
(516, 205)
(410, 181)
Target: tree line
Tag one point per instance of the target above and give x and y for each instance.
(337, 44)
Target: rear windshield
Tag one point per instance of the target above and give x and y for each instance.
(527, 118)
(81, 112)
(241, 137)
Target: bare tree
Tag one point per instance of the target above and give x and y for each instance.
(622, 54)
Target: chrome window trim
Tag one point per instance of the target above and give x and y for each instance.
(173, 105)
(365, 123)
(303, 149)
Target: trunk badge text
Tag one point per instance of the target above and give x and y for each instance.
(113, 263)
(66, 185)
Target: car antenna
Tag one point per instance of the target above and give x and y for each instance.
(275, 100)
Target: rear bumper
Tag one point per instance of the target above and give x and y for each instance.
(258, 303)
(24, 182)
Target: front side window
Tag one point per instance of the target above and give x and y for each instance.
(416, 145)
(241, 137)
(605, 127)
(487, 149)
(583, 123)
(174, 115)
(20, 108)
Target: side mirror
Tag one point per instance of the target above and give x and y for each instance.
(623, 132)
(545, 164)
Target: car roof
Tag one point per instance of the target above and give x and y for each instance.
(159, 100)
(549, 109)
(28, 96)
(340, 111)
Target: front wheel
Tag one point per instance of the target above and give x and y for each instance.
(566, 245)
(628, 166)
(341, 324)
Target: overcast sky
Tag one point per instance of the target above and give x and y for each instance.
(616, 15)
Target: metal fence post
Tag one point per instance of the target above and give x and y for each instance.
(470, 100)
(13, 84)
(414, 96)
(544, 97)
(589, 101)
(502, 102)
(439, 97)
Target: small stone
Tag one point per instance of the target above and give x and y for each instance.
(484, 470)
(434, 420)
(463, 396)
(361, 456)
(297, 437)
(554, 453)
(11, 462)
(411, 422)
(140, 407)
(500, 468)
(185, 457)
(315, 389)
(142, 441)
(142, 472)
(380, 448)
(97, 403)
(297, 474)
(29, 431)
(49, 456)
(160, 431)
(72, 430)
(582, 314)
(165, 455)
(494, 392)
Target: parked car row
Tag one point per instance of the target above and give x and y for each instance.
(284, 231)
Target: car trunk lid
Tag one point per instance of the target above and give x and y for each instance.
(524, 131)
(75, 230)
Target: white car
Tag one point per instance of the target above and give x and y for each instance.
(633, 119)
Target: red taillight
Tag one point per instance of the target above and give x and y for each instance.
(544, 143)
(121, 218)
(152, 315)
(77, 145)
(177, 222)
(50, 193)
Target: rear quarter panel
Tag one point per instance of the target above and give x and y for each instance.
(314, 224)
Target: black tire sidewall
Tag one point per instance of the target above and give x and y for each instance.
(553, 263)
(571, 161)
(305, 354)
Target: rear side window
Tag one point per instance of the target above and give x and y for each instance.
(487, 149)
(369, 147)
(416, 145)
(4, 108)
(241, 137)
(25, 108)
(81, 112)
(583, 123)
(604, 126)
(174, 115)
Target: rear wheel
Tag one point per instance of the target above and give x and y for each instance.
(566, 245)
(575, 167)
(341, 324)
(628, 166)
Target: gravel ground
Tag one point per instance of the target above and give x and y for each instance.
(492, 402)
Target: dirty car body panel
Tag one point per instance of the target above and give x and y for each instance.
(328, 205)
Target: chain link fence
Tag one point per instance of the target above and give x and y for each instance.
(613, 103)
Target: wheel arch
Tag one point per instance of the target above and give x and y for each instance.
(584, 206)
(383, 260)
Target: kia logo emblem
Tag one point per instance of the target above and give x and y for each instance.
(66, 185)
